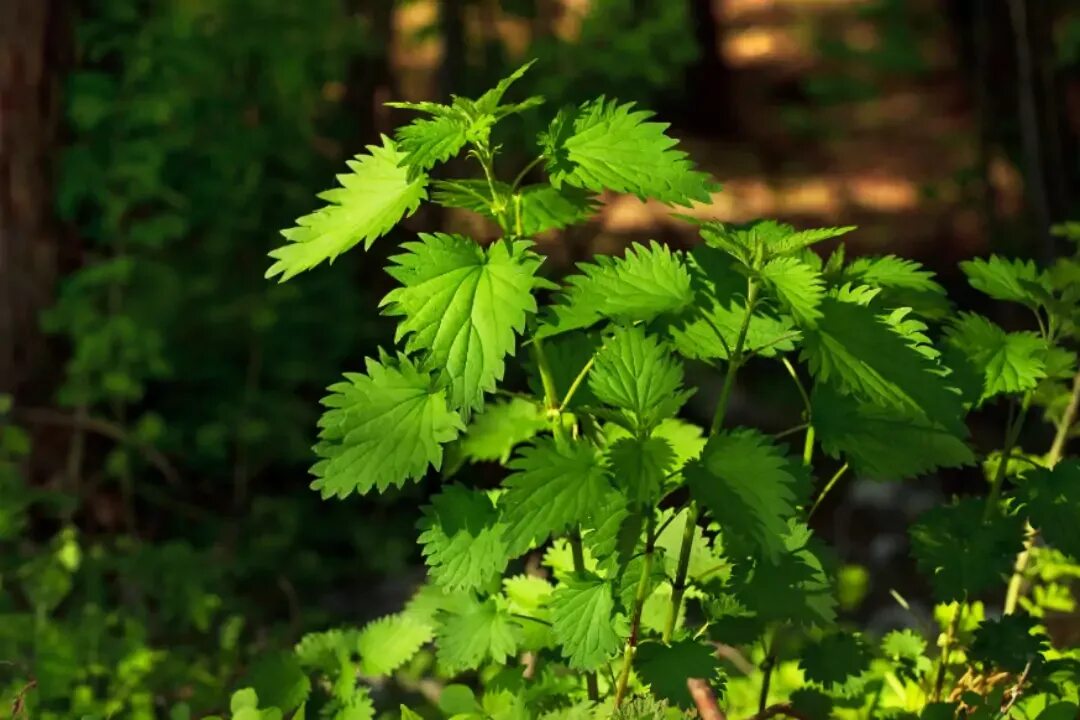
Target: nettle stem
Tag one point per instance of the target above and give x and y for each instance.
(639, 604)
(735, 360)
(551, 401)
(946, 648)
(1053, 457)
(1012, 434)
(578, 552)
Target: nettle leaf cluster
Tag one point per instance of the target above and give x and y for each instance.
(625, 544)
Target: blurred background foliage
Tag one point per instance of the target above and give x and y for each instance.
(156, 533)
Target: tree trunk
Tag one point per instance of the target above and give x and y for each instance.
(32, 43)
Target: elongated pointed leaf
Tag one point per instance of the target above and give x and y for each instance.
(372, 199)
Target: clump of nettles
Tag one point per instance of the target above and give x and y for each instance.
(627, 545)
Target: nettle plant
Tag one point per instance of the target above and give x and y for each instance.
(631, 563)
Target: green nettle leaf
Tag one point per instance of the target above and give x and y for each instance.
(603, 145)
(279, 681)
(528, 596)
(640, 465)
(644, 284)
(810, 703)
(583, 620)
(798, 286)
(862, 354)
(785, 239)
(502, 426)
(551, 488)
(371, 200)
(835, 659)
(388, 643)
(990, 361)
(381, 429)
(666, 667)
(1052, 498)
(428, 142)
(636, 373)
(903, 282)
(638, 708)
(711, 333)
(962, 554)
(903, 644)
(479, 632)
(544, 208)
(474, 195)
(883, 443)
(326, 650)
(462, 539)
(1012, 280)
(463, 305)
(750, 486)
(795, 589)
(1009, 643)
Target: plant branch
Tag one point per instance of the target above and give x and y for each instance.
(946, 647)
(766, 680)
(678, 587)
(577, 383)
(525, 171)
(635, 619)
(100, 426)
(825, 490)
(735, 359)
(1012, 434)
(704, 700)
(1068, 418)
(808, 443)
(1017, 689)
(780, 710)
(578, 553)
(1053, 457)
(791, 431)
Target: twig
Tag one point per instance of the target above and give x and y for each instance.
(704, 699)
(825, 491)
(1017, 689)
(99, 426)
(736, 658)
(18, 705)
(780, 710)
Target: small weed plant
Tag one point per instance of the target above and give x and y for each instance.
(631, 563)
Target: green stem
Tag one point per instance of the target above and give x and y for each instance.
(578, 553)
(1068, 418)
(766, 680)
(1016, 581)
(808, 443)
(635, 619)
(735, 360)
(825, 490)
(1016, 424)
(1053, 457)
(525, 171)
(808, 446)
(547, 380)
(946, 647)
(577, 383)
(678, 586)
